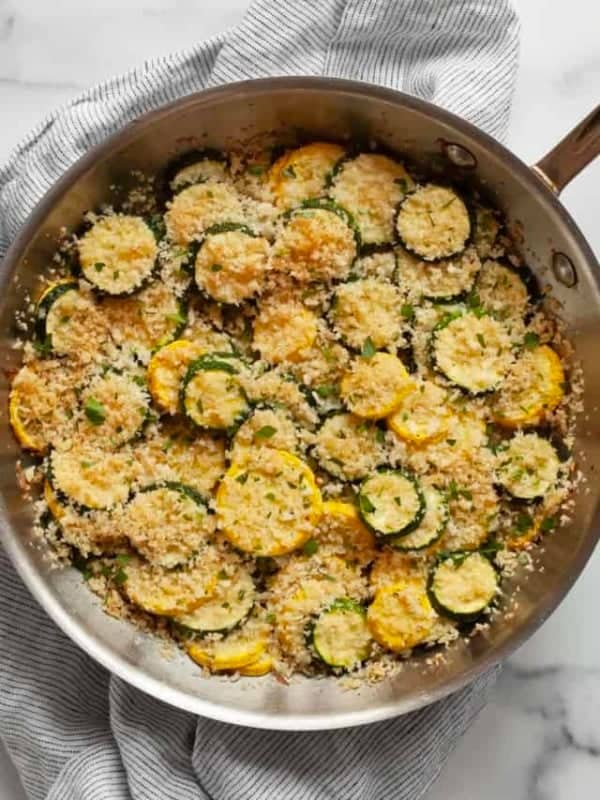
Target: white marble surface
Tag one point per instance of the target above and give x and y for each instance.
(539, 739)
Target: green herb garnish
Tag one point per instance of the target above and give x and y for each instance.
(94, 411)
(368, 348)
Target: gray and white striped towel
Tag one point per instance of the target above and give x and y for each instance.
(73, 730)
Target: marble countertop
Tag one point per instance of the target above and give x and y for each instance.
(539, 738)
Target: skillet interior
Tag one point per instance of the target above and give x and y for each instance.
(289, 108)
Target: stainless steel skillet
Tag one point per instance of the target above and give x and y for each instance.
(317, 107)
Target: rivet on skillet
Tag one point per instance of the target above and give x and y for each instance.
(459, 155)
(563, 269)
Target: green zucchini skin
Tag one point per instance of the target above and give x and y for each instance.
(433, 360)
(182, 488)
(338, 472)
(400, 542)
(228, 227)
(468, 241)
(342, 605)
(453, 613)
(214, 362)
(244, 606)
(44, 306)
(368, 248)
(412, 525)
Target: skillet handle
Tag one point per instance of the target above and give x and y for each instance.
(578, 149)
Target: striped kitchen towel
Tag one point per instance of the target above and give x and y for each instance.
(73, 730)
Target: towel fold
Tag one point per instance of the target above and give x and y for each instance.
(74, 731)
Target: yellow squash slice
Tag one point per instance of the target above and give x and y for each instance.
(269, 504)
(169, 592)
(422, 415)
(167, 369)
(374, 387)
(533, 388)
(342, 526)
(301, 174)
(401, 616)
(239, 649)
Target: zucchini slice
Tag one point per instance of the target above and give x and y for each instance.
(196, 208)
(68, 319)
(265, 427)
(528, 466)
(340, 635)
(284, 331)
(167, 369)
(342, 530)
(70, 323)
(401, 615)
(212, 395)
(302, 173)
(473, 503)
(306, 586)
(319, 242)
(533, 388)
(89, 477)
(227, 609)
(462, 585)
(473, 352)
(49, 298)
(348, 447)
(269, 505)
(370, 186)
(175, 451)
(242, 647)
(446, 281)
(277, 388)
(374, 386)
(173, 592)
(114, 409)
(501, 290)
(422, 416)
(486, 229)
(117, 254)
(144, 321)
(91, 532)
(41, 403)
(431, 527)
(167, 523)
(196, 166)
(433, 223)
(368, 309)
(391, 503)
(232, 263)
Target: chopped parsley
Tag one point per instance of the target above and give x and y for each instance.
(407, 311)
(310, 547)
(366, 506)
(368, 348)
(94, 411)
(216, 267)
(265, 432)
(327, 390)
(99, 266)
(531, 340)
